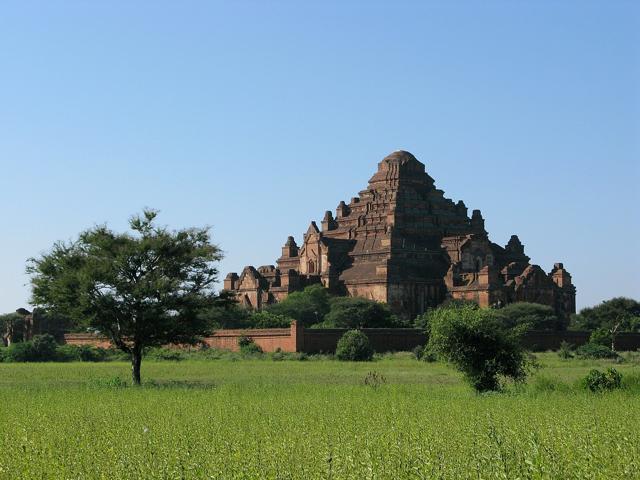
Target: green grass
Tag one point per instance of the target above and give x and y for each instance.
(315, 419)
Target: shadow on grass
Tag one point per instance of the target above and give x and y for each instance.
(117, 382)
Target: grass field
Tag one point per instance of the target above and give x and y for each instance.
(312, 419)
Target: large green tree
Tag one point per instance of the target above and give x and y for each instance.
(357, 312)
(619, 311)
(532, 316)
(140, 289)
(308, 307)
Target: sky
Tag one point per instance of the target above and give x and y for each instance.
(254, 117)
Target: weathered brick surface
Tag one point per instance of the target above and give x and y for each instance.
(299, 339)
(401, 241)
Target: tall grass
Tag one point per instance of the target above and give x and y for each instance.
(263, 419)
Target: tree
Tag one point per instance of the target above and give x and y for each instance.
(140, 289)
(356, 312)
(621, 311)
(307, 307)
(11, 328)
(532, 316)
(477, 343)
(226, 313)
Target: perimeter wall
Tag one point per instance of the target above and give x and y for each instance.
(311, 340)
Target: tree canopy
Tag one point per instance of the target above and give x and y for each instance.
(357, 312)
(619, 310)
(141, 289)
(308, 306)
(532, 316)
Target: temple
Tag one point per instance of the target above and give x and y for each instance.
(401, 241)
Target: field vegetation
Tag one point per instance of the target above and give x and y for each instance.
(253, 417)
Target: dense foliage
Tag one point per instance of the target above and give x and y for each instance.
(598, 381)
(621, 311)
(248, 346)
(141, 289)
(11, 328)
(531, 316)
(357, 312)
(594, 350)
(477, 343)
(308, 306)
(354, 346)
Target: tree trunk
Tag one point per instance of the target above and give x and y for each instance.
(136, 360)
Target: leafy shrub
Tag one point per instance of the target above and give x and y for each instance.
(19, 352)
(429, 355)
(89, 353)
(354, 346)
(422, 352)
(601, 336)
(266, 319)
(477, 343)
(68, 353)
(418, 352)
(595, 351)
(170, 354)
(565, 351)
(44, 347)
(598, 381)
(248, 346)
(80, 353)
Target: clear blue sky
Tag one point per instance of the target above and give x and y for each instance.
(256, 117)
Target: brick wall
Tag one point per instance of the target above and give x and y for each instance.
(382, 339)
(86, 339)
(299, 339)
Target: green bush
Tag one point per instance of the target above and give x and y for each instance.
(248, 346)
(595, 351)
(170, 354)
(19, 352)
(354, 346)
(90, 353)
(598, 381)
(44, 348)
(565, 351)
(479, 345)
(267, 319)
(601, 336)
(418, 352)
(422, 352)
(68, 353)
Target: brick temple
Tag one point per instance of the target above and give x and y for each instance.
(401, 241)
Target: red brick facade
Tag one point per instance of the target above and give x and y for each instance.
(401, 241)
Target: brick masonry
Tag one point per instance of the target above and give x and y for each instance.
(309, 340)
